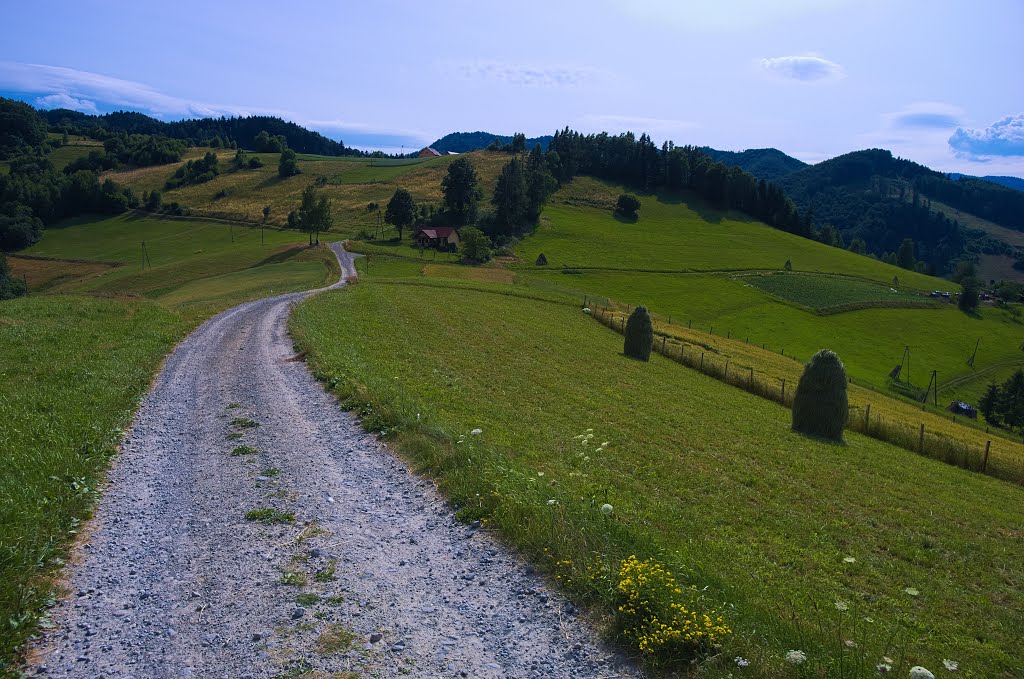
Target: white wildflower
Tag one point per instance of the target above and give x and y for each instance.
(605, 444)
(590, 430)
(586, 310)
(842, 606)
(477, 431)
(585, 441)
(850, 559)
(552, 502)
(741, 661)
(884, 668)
(540, 473)
(796, 657)
(911, 591)
(918, 672)
(598, 450)
(606, 509)
(850, 643)
(951, 665)
(886, 659)
(586, 459)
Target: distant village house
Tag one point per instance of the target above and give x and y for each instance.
(440, 237)
(429, 153)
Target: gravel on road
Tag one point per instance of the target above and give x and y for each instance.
(251, 528)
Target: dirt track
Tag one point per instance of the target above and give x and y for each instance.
(174, 581)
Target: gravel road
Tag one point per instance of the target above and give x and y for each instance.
(374, 575)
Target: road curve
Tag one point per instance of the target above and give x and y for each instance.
(174, 581)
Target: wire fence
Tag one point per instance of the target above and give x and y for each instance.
(913, 436)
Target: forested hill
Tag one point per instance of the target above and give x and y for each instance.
(463, 142)
(767, 164)
(878, 200)
(200, 131)
(1015, 183)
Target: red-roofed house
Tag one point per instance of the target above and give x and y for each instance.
(442, 237)
(429, 153)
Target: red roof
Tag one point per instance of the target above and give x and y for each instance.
(436, 232)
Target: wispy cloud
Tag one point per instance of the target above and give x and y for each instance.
(803, 68)
(57, 83)
(59, 87)
(1005, 137)
(928, 115)
(62, 100)
(528, 75)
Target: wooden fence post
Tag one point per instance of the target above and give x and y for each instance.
(750, 380)
(689, 324)
(702, 361)
(984, 462)
(867, 417)
(783, 391)
(728, 334)
(663, 338)
(920, 440)
(726, 378)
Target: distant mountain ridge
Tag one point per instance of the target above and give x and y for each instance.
(1015, 183)
(768, 164)
(197, 131)
(463, 142)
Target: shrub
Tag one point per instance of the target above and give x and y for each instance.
(542, 260)
(968, 299)
(820, 406)
(627, 205)
(639, 335)
(661, 619)
(789, 265)
(476, 246)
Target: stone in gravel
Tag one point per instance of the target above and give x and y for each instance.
(298, 613)
(375, 637)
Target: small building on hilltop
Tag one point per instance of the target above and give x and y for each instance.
(440, 237)
(429, 153)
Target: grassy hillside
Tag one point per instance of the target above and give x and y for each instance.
(79, 353)
(701, 476)
(72, 372)
(681, 233)
(351, 184)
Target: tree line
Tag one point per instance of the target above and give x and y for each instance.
(640, 163)
(222, 132)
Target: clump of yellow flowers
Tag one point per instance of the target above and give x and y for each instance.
(661, 618)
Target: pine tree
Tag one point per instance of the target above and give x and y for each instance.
(989, 403)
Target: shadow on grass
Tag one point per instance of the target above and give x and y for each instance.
(625, 219)
(841, 443)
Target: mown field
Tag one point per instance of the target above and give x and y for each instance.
(80, 352)
(681, 233)
(831, 294)
(870, 341)
(924, 558)
(351, 184)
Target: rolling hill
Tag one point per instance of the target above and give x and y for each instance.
(767, 164)
(462, 142)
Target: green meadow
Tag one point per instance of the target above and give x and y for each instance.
(681, 233)
(72, 371)
(702, 476)
(80, 352)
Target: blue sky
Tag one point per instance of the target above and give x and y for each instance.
(938, 82)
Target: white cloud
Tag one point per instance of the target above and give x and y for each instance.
(805, 68)
(521, 74)
(61, 87)
(85, 86)
(62, 100)
(926, 115)
(1005, 137)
